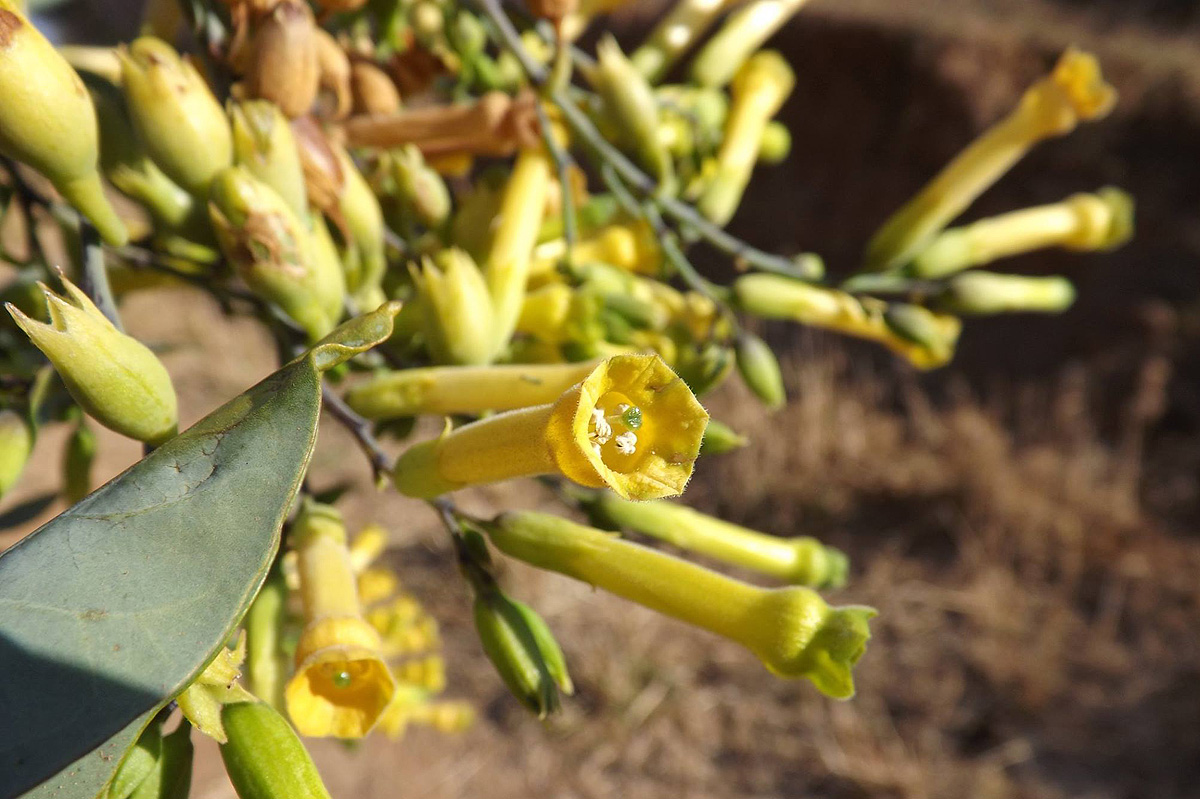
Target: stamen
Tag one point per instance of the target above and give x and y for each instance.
(627, 443)
(603, 430)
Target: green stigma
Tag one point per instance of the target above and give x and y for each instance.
(342, 679)
(632, 417)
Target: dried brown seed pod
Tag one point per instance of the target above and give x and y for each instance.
(333, 68)
(323, 176)
(283, 63)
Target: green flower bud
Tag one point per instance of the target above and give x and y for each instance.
(264, 144)
(175, 114)
(172, 776)
(364, 221)
(631, 105)
(114, 377)
(920, 326)
(139, 762)
(760, 370)
(265, 758)
(985, 293)
(270, 249)
(523, 650)
(16, 445)
(77, 463)
(267, 666)
(457, 307)
(47, 120)
(329, 274)
(127, 165)
(421, 188)
(720, 438)
(775, 144)
(706, 368)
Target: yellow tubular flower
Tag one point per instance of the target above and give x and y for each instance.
(415, 705)
(428, 672)
(1100, 221)
(341, 685)
(1074, 92)
(759, 90)
(776, 297)
(981, 293)
(632, 425)
(792, 630)
(367, 546)
(800, 560)
(631, 246)
(516, 232)
(404, 626)
(463, 389)
(47, 120)
(682, 27)
(744, 32)
(376, 585)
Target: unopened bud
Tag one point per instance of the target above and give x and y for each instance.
(458, 308)
(333, 76)
(984, 293)
(16, 445)
(421, 188)
(760, 370)
(328, 271)
(360, 211)
(283, 66)
(77, 463)
(114, 377)
(171, 777)
(264, 757)
(263, 143)
(720, 438)
(746, 30)
(47, 120)
(523, 650)
(775, 144)
(180, 123)
(632, 107)
(139, 763)
(324, 180)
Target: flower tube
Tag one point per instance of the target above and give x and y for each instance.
(744, 32)
(1073, 92)
(632, 425)
(684, 24)
(464, 389)
(341, 685)
(792, 630)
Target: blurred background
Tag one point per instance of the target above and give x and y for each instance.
(1025, 520)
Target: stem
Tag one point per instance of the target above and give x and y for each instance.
(562, 163)
(360, 428)
(94, 276)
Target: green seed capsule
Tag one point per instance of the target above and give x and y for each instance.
(265, 758)
(760, 370)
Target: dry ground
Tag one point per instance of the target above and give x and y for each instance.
(1025, 523)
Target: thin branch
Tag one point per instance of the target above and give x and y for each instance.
(360, 428)
(562, 161)
(93, 278)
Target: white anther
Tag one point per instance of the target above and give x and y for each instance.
(603, 430)
(627, 443)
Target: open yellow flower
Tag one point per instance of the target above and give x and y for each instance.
(631, 425)
(342, 684)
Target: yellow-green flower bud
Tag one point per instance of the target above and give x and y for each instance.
(269, 247)
(127, 165)
(329, 271)
(775, 144)
(263, 143)
(454, 297)
(778, 297)
(1074, 92)
(791, 630)
(448, 390)
(801, 560)
(421, 188)
(684, 24)
(760, 370)
(264, 757)
(217, 686)
(180, 123)
(77, 463)
(705, 368)
(516, 227)
(171, 777)
(114, 377)
(364, 220)
(984, 293)
(632, 425)
(47, 120)
(746, 30)
(631, 106)
(266, 664)
(16, 445)
(720, 438)
(1100, 221)
(759, 90)
(522, 649)
(138, 764)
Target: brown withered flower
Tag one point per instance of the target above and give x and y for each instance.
(496, 125)
(283, 65)
(374, 92)
(333, 69)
